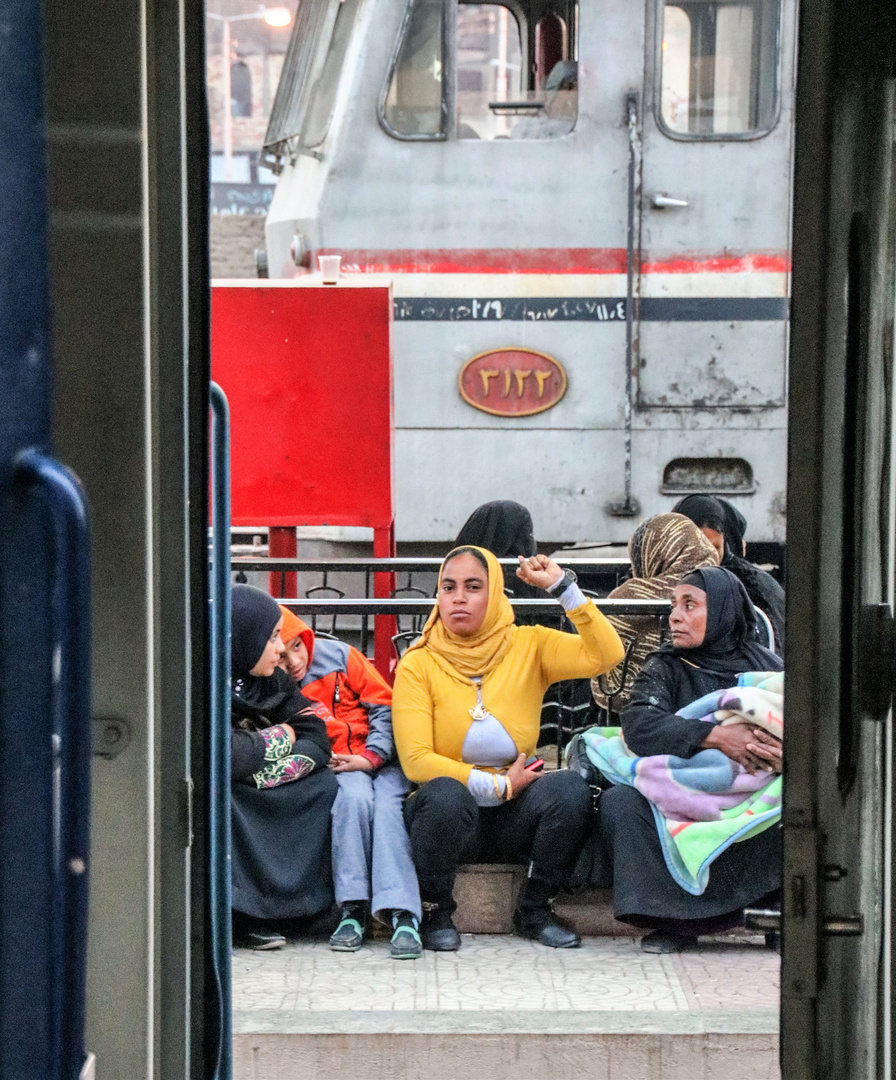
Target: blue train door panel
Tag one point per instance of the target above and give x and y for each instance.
(44, 619)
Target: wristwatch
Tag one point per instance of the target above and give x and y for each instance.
(562, 584)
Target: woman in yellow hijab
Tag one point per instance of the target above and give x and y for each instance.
(465, 713)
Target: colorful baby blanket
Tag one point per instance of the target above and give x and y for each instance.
(707, 802)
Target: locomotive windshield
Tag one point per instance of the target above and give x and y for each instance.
(719, 66)
(414, 106)
(312, 68)
(515, 73)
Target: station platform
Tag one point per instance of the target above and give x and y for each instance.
(509, 1009)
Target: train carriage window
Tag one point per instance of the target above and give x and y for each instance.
(413, 106)
(718, 67)
(514, 81)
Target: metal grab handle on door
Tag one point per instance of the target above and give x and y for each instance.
(219, 840)
(664, 202)
(71, 731)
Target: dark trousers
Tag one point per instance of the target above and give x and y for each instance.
(544, 828)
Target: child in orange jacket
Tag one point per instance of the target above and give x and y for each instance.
(370, 846)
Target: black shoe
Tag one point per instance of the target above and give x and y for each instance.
(349, 934)
(438, 932)
(662, 941)
(261, 939)
(541, 926)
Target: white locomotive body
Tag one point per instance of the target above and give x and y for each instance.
(604, 183)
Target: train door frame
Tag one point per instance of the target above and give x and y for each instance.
(119, 167)
(128, 160)
(837, 896)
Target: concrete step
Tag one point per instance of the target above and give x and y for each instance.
(508, 1009)
(486, 895)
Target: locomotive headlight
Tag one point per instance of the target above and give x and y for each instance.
(298, 249)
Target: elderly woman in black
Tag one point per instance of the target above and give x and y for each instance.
(282, 790)
(713, 634)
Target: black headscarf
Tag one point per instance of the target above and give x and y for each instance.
(255, 614)
(704, 510)
(734, 527)
(504, 528)
(730, 643)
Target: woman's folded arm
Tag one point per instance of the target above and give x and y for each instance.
(247, 753)
(649, 722)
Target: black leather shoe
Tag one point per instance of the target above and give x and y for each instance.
(664, 942)
(438, 932)
(546, 931)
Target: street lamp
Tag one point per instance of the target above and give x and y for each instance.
(271, 16)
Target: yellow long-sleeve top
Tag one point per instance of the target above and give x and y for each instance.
(431, 709)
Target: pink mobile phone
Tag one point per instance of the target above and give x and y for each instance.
(536, 765)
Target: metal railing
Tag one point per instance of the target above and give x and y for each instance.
(418, 580)
(561, 712)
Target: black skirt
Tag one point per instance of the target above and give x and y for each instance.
(281, 847)
(645, 893)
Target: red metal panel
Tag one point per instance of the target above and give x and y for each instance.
(308, 374)
(282, 545)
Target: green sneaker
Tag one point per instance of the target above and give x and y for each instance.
(349, 934)
(405, 943)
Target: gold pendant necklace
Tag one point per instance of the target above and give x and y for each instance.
(479, 711)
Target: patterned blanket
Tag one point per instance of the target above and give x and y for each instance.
(707, 802)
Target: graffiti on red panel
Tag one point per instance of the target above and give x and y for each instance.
(512, 382)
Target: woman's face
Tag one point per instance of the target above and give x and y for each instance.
(463, 595)
(295, 658)
(716, 538)
(270, 658)
(687, 622)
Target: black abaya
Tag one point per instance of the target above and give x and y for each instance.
(644, 892)
(281, 835)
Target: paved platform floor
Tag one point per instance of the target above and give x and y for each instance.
(717, 1006)
(285, 990)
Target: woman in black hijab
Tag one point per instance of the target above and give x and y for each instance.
(282, 791)
(713, 641)
(726, 526)
(503, 527)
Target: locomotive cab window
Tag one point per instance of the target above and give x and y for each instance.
(516, 76)
(515, 72)
(718, 61)
(312, 72)
(413, 106)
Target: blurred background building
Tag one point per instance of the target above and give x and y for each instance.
(246, 42)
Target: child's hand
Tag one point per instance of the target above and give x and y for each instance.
(350, 763)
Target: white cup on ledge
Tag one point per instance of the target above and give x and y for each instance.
(329, 268)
